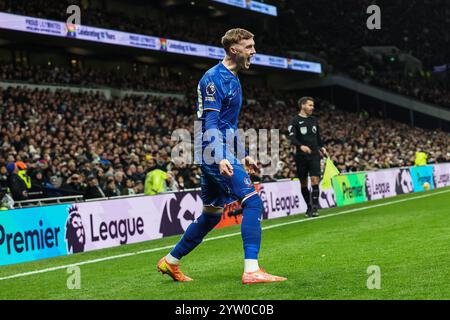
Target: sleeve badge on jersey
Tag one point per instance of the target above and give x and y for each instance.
(314, 129)
(210, 89)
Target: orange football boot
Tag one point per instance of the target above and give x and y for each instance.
(260, 276)
(172, 270)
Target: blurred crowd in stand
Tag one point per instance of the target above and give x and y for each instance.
(65, 143)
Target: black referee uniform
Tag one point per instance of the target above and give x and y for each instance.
(304, 131)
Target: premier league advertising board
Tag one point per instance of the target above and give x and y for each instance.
(403, 181)
(381, 184)
(350, 188)
(441, 175)
(44, 232)
(32, 234)
(281, 199)
(420, 175)
(327, 198)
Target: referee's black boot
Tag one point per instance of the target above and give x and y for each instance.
(309, 212)
(315, 211)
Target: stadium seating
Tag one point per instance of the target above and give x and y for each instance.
(67, 139)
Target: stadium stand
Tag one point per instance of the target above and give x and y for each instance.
(84, 144)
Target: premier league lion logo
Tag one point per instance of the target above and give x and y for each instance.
(180, 210)
(327, 199)
(403, 183)
(210, 89)
(265, 201)
(75, 235)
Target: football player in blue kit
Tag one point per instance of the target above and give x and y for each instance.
(224, 178)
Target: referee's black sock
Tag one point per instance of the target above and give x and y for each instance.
(305, 193)
(315, 196)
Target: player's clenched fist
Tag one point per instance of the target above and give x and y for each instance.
(225, 168)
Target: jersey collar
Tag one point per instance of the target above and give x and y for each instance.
(228, 70)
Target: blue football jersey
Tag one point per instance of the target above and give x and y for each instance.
(220, 90)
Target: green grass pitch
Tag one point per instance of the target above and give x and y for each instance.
(325, 258)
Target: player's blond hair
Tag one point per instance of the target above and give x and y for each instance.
(233, 36)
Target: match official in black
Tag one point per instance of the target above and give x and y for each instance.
(304, 134)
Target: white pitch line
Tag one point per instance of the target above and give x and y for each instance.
(124, 255)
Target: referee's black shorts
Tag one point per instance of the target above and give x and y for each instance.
(307, 164)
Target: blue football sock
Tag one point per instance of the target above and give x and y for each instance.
(251, 226)
(195, 233)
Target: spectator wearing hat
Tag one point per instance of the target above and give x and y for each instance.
(16, 185)
(22, 172)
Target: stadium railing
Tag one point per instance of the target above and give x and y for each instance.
(47, 201)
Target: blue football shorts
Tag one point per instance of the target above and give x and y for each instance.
(218, 190)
